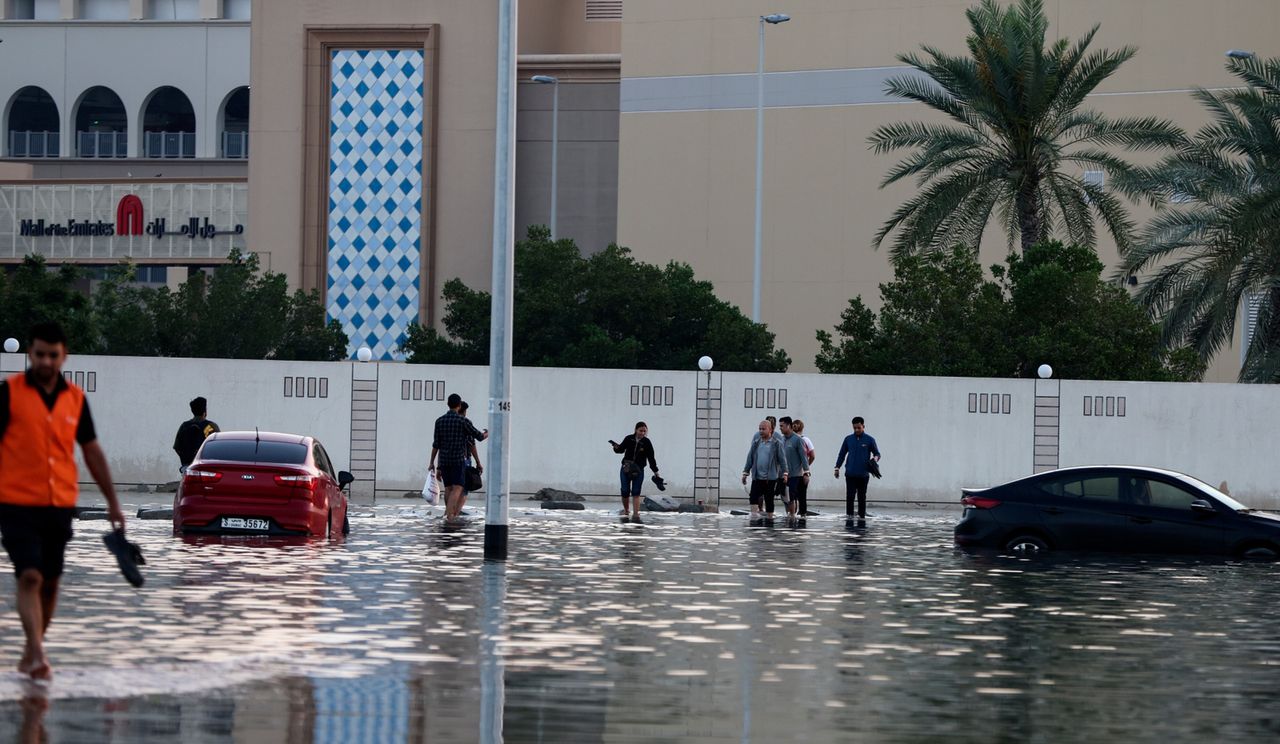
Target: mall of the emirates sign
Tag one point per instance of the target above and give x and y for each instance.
(96, 221)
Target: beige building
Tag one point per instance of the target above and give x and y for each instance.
(373, 178)
(687, 153)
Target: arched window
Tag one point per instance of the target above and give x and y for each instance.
(102, 127)
(234, 124)
(32, 130)
(168, 125)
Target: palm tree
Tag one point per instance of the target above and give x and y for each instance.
(1017, 141)
(1217, 246)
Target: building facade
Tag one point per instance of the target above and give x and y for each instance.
(687, 133)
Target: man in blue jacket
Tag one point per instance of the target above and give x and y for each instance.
(860, 447)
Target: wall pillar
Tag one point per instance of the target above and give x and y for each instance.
(364, 429)
(706, 458)
(1048, 414)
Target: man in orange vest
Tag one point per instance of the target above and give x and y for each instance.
(42, 417)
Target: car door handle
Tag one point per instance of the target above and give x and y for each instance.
(1140, 520)
(1051, 510)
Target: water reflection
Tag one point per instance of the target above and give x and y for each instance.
(689, 627)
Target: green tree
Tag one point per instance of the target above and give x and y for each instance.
(1218, 243)
(1017, 140)
(35, 292)
(124, 314)
(1063, 312)
(605, 310)
(940, 316)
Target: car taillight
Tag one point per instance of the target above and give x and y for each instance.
(300, 481)
(978, 502)
(203, 476)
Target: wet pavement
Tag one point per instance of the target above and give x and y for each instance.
(686, 627)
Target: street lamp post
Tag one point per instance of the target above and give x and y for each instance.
(772, 18)
(555, 139)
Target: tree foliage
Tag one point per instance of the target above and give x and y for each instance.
(941, 316)
(1217, 242)
(239, 312)
(1017, 140)
(606, 310)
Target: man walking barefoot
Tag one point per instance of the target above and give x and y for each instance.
(42, 418)
(452, 432)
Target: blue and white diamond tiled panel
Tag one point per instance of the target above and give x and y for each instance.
(375, 195)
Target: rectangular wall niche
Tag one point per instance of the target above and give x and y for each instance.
(990, 403)
(764, 398)
(653, 395)
(306, 387)
(1097, 405)
(422, 390)
(86, 381)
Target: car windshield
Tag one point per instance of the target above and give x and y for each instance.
(1219, 495)
(247, 450)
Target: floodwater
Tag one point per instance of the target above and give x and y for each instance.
(686, 627)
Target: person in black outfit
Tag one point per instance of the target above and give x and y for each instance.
(636, 450)
(192, 433)
(451, 436)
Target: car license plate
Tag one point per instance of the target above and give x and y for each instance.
(236, 523)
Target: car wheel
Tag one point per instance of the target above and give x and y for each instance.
(1027, 544)
(1259, 551)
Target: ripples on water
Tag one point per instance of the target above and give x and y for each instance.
(687, 627)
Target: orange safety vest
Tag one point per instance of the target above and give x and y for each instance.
(38, 450)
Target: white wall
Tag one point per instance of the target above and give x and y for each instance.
(562, 419)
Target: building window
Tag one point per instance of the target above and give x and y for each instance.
(102, 127)
(604, 10)
(170, 125)
(104, 10)
(33, 124)
(237, 10)
(172, 10)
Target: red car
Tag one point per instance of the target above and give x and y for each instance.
(246, 482)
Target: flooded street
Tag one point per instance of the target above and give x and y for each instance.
(686, 627)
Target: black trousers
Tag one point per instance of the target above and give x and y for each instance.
(802, 491)
(764, 490)
(855, 488)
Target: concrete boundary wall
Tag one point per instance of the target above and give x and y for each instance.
(937, 434)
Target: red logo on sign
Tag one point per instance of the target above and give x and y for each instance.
(129, 216)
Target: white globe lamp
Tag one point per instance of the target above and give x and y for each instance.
(364, 353)
(1045, 371)
(705, 364)
(11, 345)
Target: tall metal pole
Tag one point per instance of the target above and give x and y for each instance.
(504, 207)
(555, 147)
(755, 283)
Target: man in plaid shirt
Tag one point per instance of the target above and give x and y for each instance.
(450, 443)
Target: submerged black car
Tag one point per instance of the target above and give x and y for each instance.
(1116, 508)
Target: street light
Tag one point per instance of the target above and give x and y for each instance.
(774, 19)
(555, 138)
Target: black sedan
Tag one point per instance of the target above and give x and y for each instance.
(1116, 508)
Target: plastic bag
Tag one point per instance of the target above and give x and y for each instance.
(431, 489)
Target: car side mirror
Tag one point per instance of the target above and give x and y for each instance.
(1203, 507)
(345, 479)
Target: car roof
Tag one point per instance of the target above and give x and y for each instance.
(265, 436)
(1141, 468)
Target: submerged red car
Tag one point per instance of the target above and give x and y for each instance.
(248, 482)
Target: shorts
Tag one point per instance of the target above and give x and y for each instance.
(453, 475)
(36, 537)
(796, 488)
